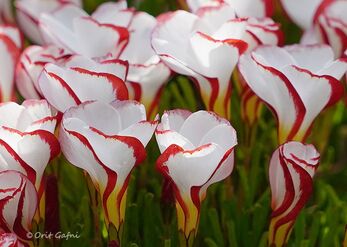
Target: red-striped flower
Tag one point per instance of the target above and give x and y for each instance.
(291, 171)
(331, 25)
(30, 66)
(296, 82)
(107, 141)
(18, 203)
(81, 79)
(206, 47)
(244, 8)
(325, 22)
(26, 140)
(10, 45)
(10, 240)
(147, 73)
(71, 27)
(258, 32)
(29, 11)
(6, 16)
(197, 151)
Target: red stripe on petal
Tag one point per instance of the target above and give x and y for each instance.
(299, 105)
(15, 53)
(118, 84)
(44, 135)
(30, 172)
(237, 43)
(321, 8)
(137, 91)
(66, 87)
(306, 188)
(337, 89)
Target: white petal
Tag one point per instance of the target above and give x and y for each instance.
(166, 138)
(115, 67)
(301, 12)
(273, 88)
(174, 119)
(273, 56)
(55, 90)
(115, 13)
(315, 92)
(305, 155)
(223, 135)
(79, 152)
(20, 199)
(171, 36)
(41, 114)
(78, 84)
(143, 131)
(310, 37)
(11, 114)
(107, 40)
(57, 27)
(131, 112)
(216, 59)
(224, 170)
(117, 155)
(313, 57)
(9, 53)
(192, 168)
(212, 18)
(277, 180)
(198, 124)
(253, 8)
(139, 49)
(98, 115)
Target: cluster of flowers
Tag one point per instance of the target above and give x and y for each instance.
(100, 77)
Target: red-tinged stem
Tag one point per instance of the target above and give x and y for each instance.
(94, 204)
(186, 241)
(114, 235)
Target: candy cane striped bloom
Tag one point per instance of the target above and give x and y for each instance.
(326, 23)
(27, 142)
(71, 27)
(81, 79)
(107, 141)
(30, 66)
(258, 32)
(197, 151)
(331, 25)
(18, 205)
(206, 47)
(147, 73)
(291, 171)
(10, 45)
(29, 11)
(296, 82)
